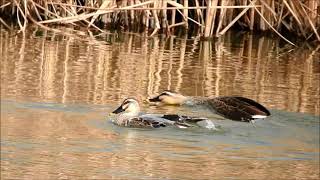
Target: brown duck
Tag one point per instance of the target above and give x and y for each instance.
(231, 107)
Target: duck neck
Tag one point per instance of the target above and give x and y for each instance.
(181, 100)
(125, 117)
(129, 114)
(132, 111)
(194, 101)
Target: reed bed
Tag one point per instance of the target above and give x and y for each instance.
(211, 18)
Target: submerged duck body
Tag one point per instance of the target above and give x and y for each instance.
(130, 116)
(231, 107)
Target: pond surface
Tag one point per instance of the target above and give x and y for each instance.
(57, 91)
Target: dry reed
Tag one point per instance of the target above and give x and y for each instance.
(212, 17)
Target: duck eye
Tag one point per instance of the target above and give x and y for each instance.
(125, 103)
(125, 106)
(165, 94)
(168, 93)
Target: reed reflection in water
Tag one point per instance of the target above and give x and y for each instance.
(56, 92)
(63, 69)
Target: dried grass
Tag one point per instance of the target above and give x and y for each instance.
(213, 17)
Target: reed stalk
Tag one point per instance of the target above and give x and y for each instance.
(185, 12)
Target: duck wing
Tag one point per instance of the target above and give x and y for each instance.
(173, 119)
(139, 122)
(238, 108)
(179, 118)
(183, 121)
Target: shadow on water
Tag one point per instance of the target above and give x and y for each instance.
(57, 91)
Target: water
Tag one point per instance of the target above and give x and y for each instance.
(57, 91)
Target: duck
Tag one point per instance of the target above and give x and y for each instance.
(129, 115)
(235, 108)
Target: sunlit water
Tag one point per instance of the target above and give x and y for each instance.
(57, 91)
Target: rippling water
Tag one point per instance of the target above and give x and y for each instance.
(56, 92)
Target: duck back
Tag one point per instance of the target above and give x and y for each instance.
(238, 108)
(139, 122)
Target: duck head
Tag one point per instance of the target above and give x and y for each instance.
(169, 97)
(130, 106)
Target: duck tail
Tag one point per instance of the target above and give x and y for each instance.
(178, 118)
(158, 124)
(194, 119)
(182, 125)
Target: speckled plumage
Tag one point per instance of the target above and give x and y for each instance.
(130, 116)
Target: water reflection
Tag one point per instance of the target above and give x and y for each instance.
(95, 71)
(56, 91)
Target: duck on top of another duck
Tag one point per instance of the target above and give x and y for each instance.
(130, 116)
(231, 107)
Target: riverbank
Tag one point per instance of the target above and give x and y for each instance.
(208, 18)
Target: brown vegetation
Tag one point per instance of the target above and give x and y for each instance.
(210, 17)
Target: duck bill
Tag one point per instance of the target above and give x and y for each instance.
(118, 110)
(155, 99)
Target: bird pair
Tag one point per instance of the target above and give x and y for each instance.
(230, 107)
